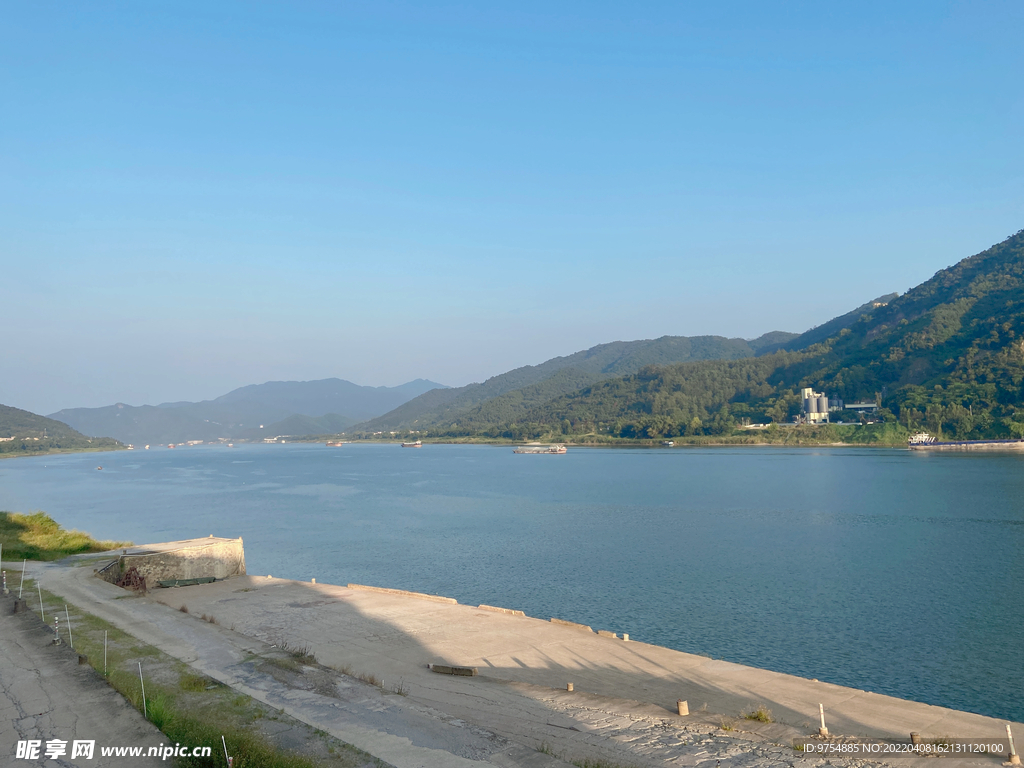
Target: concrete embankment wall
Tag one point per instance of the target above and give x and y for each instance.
(193, 559)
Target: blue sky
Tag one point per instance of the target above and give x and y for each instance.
(198, 196)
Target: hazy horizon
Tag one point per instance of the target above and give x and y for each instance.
(196, 198)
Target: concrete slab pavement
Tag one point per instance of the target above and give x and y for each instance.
(46, 695)
(622, 709)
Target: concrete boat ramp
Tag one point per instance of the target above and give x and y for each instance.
(516, 711)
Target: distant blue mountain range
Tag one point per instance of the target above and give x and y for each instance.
(297, 408)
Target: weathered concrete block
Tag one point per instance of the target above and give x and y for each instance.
(572, 624)
(606, 633)
(181, 560)
(405, 593)
(445, 669)
(496, 609)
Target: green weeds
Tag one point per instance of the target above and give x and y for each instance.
(762, 714)
(39, 537)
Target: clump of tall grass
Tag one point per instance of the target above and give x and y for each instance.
(762, 714)
(301, 653)
(39, 537)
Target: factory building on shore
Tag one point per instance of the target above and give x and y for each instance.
(815, 406)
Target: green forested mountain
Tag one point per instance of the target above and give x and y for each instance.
(37, 434)
(947, 356)
(507, 397)
(824, 331)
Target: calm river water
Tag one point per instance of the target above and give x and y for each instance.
(879, 569)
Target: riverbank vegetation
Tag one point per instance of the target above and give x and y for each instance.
(39, 537)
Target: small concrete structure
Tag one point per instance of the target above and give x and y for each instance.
(179, 560)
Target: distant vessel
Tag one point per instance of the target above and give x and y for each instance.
(99, 467)
(231, 445)
(540, 449)
(668, 443)
(923, 441)
(170, 445)
(147, 447)
(417, 444)
(335, 443)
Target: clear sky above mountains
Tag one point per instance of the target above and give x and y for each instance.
(198, 196)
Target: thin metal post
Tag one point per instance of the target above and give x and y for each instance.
(22, 578)
(104, 653)
(145, 712)
(71, 638)
(40, 601)
(226, 758)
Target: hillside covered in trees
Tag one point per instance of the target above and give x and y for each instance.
(23, 433)
(508, 396)
(947, 356)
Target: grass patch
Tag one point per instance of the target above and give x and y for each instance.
(590, 762)
(190, 681)
(762, 714)
(39, 537)
(301, 653)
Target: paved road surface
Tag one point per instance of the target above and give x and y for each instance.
(46, 695)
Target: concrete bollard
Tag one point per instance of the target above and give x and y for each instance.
(1014, 757)
(568, 686)
(822, 731)
(314, 581)
(682, 707)
(915, 738)
(83, 659)
(625, 636)
(19, 605)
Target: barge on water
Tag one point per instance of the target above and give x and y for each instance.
(923, 441)
(540, 449)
